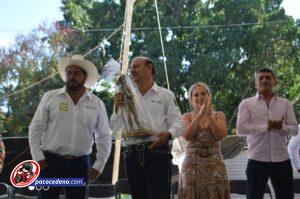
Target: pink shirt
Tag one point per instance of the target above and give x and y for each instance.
(252, 121)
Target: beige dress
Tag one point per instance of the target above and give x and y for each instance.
(203, 175)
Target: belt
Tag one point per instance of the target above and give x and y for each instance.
(65, 157)
(139, 147)
(146, 145)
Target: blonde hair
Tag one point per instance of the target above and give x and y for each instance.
(202, 85)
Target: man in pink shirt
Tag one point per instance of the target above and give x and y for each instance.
(266, 120)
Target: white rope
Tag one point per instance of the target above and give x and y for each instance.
(137, 29)
(162, 45)
(28, 87)
(163, 28)
(46, 78)
(243, 97)
(115, 31)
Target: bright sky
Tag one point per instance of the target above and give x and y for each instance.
(25, 15)
(19, 16)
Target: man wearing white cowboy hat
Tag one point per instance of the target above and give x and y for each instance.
(65, 125)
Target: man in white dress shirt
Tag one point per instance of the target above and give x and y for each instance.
(148, 160)
(293, 148)
(65, 125)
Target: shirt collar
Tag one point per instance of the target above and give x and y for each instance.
(154, 87)
(63, 90)
(88, 93)
(259, 96)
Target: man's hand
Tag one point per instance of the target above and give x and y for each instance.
(94, 174)
(119, 100)
(275, 124)
(43, 164)
(163, 137)
(270, 125)
(278, 124)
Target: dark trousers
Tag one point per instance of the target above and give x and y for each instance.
(59, 167)
(280, 173)
(149, 172)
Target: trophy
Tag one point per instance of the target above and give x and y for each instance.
(130, 110)
(132, 118)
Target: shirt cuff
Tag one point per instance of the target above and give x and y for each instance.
(297, 165)
(38, 156)
(284, 131)
(98, 166)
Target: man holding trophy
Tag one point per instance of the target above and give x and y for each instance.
(155, 121)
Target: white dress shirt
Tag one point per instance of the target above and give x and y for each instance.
(252, 121)
(61, 127)
(164, 111)
(293, 149)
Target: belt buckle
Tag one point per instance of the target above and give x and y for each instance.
(140, 147)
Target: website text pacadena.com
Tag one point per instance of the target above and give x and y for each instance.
(59, 182)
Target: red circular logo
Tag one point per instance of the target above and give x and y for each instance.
(25, 173)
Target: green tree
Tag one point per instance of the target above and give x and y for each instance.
(208, 47)
(29, 60)
(225, 57)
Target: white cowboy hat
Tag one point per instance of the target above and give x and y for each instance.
(86, 65)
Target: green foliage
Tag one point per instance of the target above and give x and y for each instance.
(107, 96)
(2, 119)
(29, 60)
(224, 57)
